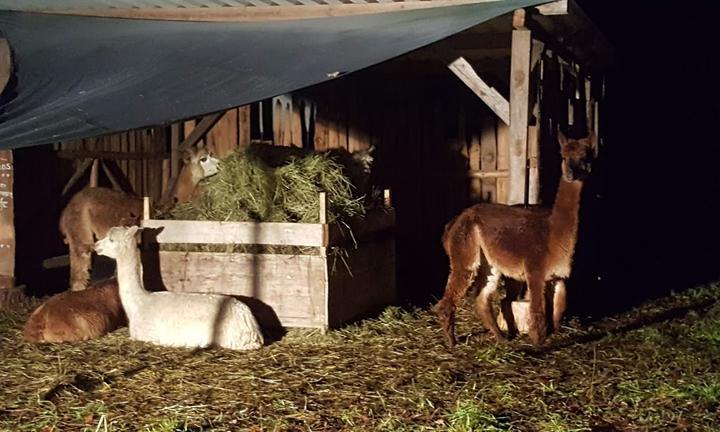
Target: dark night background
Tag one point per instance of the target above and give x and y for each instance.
(656, 225)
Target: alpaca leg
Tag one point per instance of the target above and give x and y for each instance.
(80, 262)
(538, 326)
(458, 283)
(483, 304)
(559, 303)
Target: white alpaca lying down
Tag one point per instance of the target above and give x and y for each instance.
(176, 319)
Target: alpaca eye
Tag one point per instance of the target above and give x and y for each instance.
(203, 159)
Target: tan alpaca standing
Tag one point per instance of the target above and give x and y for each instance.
(529, 244)
(93, 211)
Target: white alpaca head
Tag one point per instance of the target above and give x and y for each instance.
(117, 240)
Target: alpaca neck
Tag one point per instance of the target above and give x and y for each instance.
(129, 273)
(185, 186)
(180, 190)
(564, 217)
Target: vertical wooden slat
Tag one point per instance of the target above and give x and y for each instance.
(123, 165)
(589, 106)
(130, 175)
(488, 157)
(534, 165)
(94, 173)
(503, 161)
(519, 95)
(321, 131)
(475, 155)
(223, 137)
(295, 125)
(175, 157)
(7, 221)
(244, 127)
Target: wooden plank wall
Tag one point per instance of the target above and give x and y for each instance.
(430, 132)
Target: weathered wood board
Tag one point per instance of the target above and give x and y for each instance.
(322, 290)
(7, 221)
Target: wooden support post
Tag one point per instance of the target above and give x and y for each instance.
(146, 208)
(9, 294)
(7, 221)
(519, 96)
(492, 98)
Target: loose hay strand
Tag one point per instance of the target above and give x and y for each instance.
(389, 373)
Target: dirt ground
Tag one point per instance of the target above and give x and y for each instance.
(656, 367)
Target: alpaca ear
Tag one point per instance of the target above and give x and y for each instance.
(371, 149)
(132, 231)
(562, 139)
(187, 156)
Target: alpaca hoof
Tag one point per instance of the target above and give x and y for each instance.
(500, 338)
(450, 341)
(537, 330)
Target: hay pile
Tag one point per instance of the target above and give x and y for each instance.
(392, 373)
(246, 189)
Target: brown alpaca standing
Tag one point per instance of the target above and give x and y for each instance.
(529, 244)
(74, 316)
(93, 211)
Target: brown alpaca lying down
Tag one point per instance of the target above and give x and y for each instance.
(77, 315)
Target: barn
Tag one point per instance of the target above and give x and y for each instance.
(461, 101)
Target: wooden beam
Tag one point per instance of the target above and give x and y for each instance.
(200, 130)
(559, 7)
(492, 98)
(480, 174)
(110, 155)
(5, 63)
(519, 99)
(260, 13)
(76, 176)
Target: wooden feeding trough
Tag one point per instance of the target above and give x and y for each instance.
(346, 276)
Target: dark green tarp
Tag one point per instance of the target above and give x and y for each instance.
(78, 77)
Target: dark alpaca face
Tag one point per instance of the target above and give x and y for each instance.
(577, 157)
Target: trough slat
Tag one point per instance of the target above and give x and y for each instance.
(215, 232)
(285, 288)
